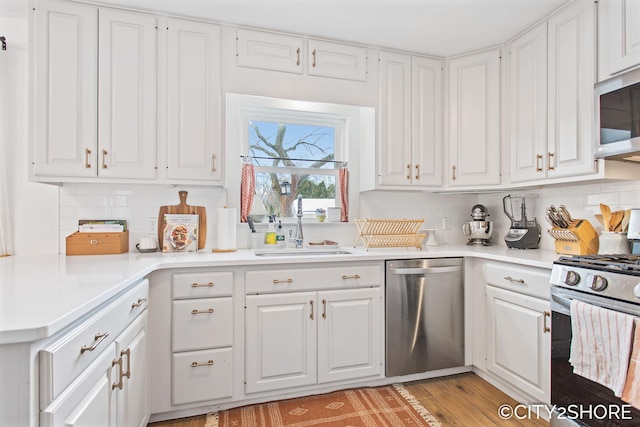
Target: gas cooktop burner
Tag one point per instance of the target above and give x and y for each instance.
(629, 264)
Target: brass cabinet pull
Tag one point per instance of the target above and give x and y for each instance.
(196, 364)
(283, 281)
(417, 171)
(547, 315)
(298, 52)
(87, 152)
(538, 158)
(194, 311)
(311, 316)
(551, 157)
(453, 173)
(213, 163)
(345, 277)
(314, 58)
(127, 353)
(119, 383)
(139, 302)
(408, 171)
(98, 338)
(196, 285)
(511, 279)
(104, 159)
(324, 308)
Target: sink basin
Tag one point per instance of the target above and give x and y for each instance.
(301, 252)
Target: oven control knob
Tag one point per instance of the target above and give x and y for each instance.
(636, 290)
(570, 277)
(597, 283)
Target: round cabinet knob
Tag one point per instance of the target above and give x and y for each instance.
(571, 278)
(597, 283)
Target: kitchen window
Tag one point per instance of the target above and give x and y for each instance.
(300, 143)
(295, 157)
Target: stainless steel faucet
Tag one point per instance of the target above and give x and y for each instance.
(299, 239)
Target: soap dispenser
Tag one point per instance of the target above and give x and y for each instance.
(280, 241)
(270, 237)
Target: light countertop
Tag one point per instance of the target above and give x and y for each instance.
(42, 294)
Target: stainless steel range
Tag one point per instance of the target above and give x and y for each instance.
(608, 281)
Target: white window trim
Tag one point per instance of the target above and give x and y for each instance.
(359, 127)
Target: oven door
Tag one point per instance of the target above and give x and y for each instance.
(576, 400)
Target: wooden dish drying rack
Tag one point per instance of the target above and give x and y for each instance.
(389, 233)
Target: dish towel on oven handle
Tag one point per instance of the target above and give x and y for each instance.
(631, 392)
(601, 344)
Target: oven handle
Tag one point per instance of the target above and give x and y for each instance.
(560, 304)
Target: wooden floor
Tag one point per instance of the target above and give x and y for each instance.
(458, 400)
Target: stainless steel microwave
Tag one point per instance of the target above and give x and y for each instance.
(618, 117)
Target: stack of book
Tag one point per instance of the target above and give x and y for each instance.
(102, 225)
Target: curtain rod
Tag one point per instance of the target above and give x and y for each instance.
(288, 158)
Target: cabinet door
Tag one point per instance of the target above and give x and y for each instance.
(89, 401)
(474, 119)
(269, 51)
(127, 95)
(518, 345)
(426, 123)
(623, 34)
(280, 341)
(132, 396)
(570, 91)
(527, 110)
(66, 89)
(337, 60)
(194, 101)
(394, 152)
(349, 328)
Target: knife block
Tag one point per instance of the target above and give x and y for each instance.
(580, 238)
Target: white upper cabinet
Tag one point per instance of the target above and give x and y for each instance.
(571, 78)
(474, 119)
(279, 52)
(336, 60)
(270, 51)
(127, 94)
(527, 112)
(193, 120)
(95, 92)
(618, 36)
(410, 121)
(65, 106)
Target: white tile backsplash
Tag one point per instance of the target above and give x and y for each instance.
(139, 205)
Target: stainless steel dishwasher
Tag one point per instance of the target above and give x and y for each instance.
(424, 312)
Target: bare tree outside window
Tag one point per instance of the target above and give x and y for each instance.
(299, 154)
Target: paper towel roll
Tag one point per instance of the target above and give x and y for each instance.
(226, 229)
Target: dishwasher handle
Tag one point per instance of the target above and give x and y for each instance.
(425, 270)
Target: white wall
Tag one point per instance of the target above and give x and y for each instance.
(34, 207)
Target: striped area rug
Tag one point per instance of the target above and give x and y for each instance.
(391, 406)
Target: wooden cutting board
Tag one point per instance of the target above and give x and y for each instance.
(183, 208)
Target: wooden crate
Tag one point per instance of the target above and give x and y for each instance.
(97, 243)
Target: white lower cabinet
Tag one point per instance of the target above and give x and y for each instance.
(518, 341)
(202, 336)
(95, 374)
(305, 338)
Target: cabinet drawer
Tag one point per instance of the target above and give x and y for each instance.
(522, 279)
(203, 284)
(202, 375)
(64, 359)
(304, 279)
(202, 323)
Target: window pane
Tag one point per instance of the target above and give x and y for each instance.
(286, 143)
(318, 191)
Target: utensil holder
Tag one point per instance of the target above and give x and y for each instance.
(612, 242)
(580, 238)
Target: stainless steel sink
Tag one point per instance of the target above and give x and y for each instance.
(301, 252)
